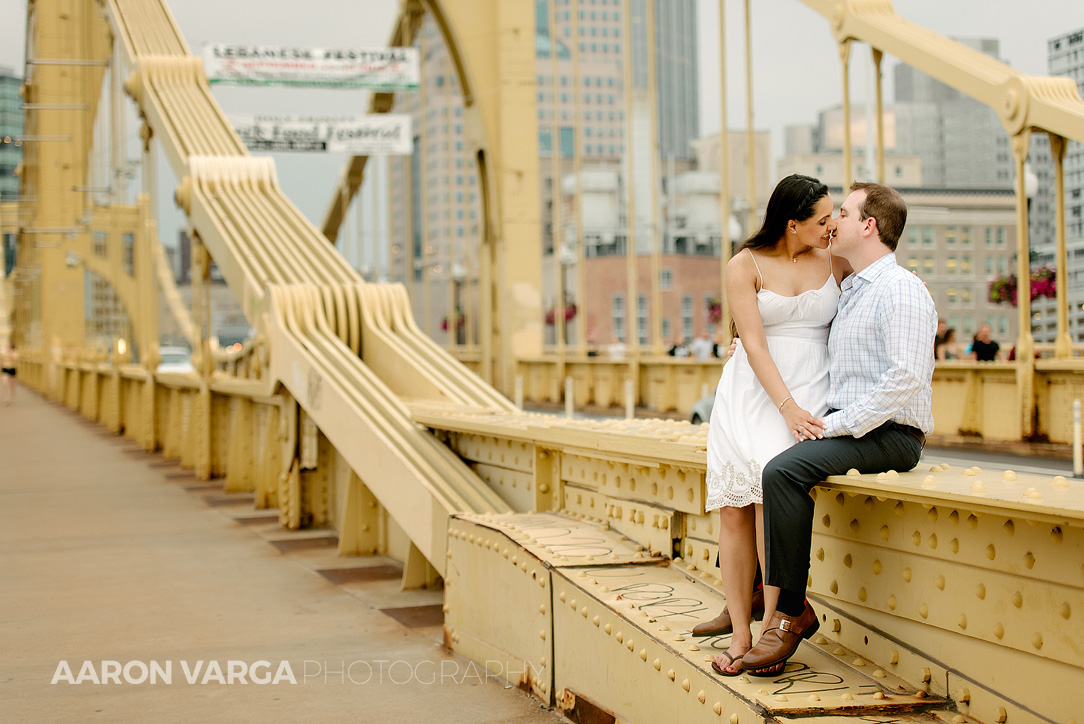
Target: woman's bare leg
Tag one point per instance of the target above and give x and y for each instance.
(737, 567)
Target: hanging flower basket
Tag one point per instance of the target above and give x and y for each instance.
(715, 310)
(570, 312)
(1003, 289)
(460, 320)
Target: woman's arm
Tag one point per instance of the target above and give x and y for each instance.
(741, 294)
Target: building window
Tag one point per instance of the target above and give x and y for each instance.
(989, 265)
(1001, 236)
(965, 264)
(969, 326)
(912, 236)
(950, 236)
(666, 279)
(950, 265)
(128, 253)
(927, 235)
(101, 247)
(912, 264)
(950, 296)
(965, 296)
(617, 307)
(965, 236)
(687, 315)
(927, 265)
(641, 318)
(989, 236)
(665, 329)
(1002, 326)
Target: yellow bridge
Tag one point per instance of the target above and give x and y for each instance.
(577, 548)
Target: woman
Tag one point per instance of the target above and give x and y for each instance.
(948, 347)
(8, 358)
(782, 287)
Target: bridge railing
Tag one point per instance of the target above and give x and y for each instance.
(979, 401)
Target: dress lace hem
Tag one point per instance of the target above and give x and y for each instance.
(730, 487)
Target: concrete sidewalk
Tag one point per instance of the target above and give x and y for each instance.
(113, 555)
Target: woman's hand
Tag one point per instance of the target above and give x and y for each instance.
(800, 423)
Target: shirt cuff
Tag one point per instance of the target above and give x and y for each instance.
(833, 425)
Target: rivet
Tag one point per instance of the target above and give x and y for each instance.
(827, 521)
(847, 697)
(907, 574)
(595, 621)
(868, 503)
(924, 611)
(629, 645)
(999, 631)
(879, 695)
(861, 594)
(972, 521)
(1008, 475)
(932, 541)
(679, 638)
(1059, 481)
(1029, 560)
(927, 676)
(781, 697)
(858, 662)
(895, 657)
(962, 622)
(959, 719)
(847, 560)
(620, 637)
(854, 525)
(643, 654)
(1065, 611)
(701, 696)
(671, 674)
(1037, 640)
(572, 604)
(840, 499)
(686, 685)
(964, 695)
(607, 629)
(932, 515)
(899, 510)
(583, 611)
(884, 532)
(542, 608)
(694, 647)
(718, 709)
(929, 482)
(1017, 599)
(892, 603)
(980, 591)
(657, 663)
(562, 596)
(853, 473)
(877, 568)
(542, 635)
(820, 554)
(991, 552)
(836, 625)
(954, 545)
(834, 587)
(1055, 535)
(940, 583)
(1002, 715)
(916, 538)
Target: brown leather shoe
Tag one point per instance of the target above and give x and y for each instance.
(722, 625)
(780, 638)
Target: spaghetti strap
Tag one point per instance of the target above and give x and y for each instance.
(831, 271)
(757, 266)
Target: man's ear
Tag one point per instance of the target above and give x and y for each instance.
(869, 227)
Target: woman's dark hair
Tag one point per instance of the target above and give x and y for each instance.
(795, 197)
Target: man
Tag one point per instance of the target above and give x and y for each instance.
(881, 350)
(984, 349)
(702, 347)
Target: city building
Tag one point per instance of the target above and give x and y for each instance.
(435, 228)
(11, 130)
(1066, 58)
(958, 241)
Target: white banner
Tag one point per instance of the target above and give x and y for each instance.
(380, 69)
(357, 135)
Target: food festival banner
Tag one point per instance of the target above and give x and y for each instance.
(379, 69)
(382, 133)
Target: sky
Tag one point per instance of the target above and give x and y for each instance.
(796, 70)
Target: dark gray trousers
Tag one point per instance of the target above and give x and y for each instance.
(789, 476)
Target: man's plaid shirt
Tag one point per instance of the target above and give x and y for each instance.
(881, 351)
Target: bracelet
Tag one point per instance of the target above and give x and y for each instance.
(783, 403)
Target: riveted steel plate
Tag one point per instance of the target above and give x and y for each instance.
(653, 609)
(561, 540)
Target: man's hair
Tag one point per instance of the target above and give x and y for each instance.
(886, 206)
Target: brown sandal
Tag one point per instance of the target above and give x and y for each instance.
(726, 670)
(773, 670)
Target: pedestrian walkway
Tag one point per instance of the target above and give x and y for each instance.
(133, 572)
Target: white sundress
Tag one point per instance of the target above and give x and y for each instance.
(746, 428)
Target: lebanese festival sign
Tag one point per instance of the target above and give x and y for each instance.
(377, 69)
(381, 133)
